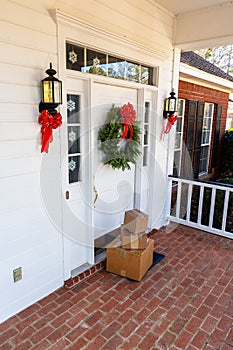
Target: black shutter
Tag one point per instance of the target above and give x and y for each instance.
(198, 134)
(216, 136)
(188, 152)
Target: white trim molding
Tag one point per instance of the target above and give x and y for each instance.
(98, 37)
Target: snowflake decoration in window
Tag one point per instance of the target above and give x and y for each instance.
(72, 136)
(96, 62)
(70, 105)
(73, 57)
(72, 165)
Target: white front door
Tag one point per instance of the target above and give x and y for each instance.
(95, 196)
(113, 190)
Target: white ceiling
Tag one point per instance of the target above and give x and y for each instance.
(182, 6)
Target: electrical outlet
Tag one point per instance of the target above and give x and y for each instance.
(17, 274)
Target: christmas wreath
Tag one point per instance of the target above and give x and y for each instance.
(120, 137)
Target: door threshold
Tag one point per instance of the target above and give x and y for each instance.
(100, 257)
(83, 272)
(80, 269)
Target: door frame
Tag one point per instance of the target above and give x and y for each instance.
(67, 31)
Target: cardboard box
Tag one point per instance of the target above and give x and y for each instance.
(129, 263)
(131, 240)
(136, 220)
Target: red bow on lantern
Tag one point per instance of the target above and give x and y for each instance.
(128, 115)
(170, 121)
(48, 122)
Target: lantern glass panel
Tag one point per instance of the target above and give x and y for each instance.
(172, 105)
(57, 92)
(47, 91)
(167, 105)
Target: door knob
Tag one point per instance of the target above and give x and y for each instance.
(67, 194)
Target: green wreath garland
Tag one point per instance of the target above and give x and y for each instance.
(119, 141)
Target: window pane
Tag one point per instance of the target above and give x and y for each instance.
(132, 71)
(176, 165)
(178, 140)
(73, 108)
(116, 68)
(147, 112)
(204, 159)
(145, 75)
(73, 139)
(96, 63)
(74, 57)
(179, 124)
(74, 169)
(180, 107)
(145, 156)
(146, 135)
(207, 123)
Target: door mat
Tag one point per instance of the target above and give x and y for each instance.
(157, 257)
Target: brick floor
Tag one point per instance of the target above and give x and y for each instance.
(184, 302)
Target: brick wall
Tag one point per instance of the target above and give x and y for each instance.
(190, 91)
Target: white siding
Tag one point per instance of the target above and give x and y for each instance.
(30, 237)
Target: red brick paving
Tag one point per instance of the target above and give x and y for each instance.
(184, 302)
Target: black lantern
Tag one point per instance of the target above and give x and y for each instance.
(51, 90)
(170, 105)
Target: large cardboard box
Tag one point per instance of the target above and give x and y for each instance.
(136, 220)
(131, 240)
(129, 263)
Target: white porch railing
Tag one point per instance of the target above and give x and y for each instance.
(204, 205)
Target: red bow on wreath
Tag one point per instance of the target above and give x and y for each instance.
(128, 115)
(170, 121)
(48, 122)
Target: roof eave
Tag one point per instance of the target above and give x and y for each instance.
(195, 75)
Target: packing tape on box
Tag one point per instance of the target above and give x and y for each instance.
(123, 273)
(122, 254)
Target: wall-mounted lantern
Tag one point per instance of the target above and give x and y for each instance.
(49, 119)
(170, 105)
(51, 92)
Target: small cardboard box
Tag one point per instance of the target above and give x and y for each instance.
(136, 221)
(131, 240)
(132, 263)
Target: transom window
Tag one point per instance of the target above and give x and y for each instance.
(90, 61)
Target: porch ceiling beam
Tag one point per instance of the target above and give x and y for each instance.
(204, 28)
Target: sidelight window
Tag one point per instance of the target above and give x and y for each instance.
(73, 137)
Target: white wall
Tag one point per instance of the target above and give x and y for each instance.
(28, 42)
(28, 239)
(208, 27)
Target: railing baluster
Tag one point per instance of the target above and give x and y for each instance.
(178, 200)
(203, 185)
(211, 217)
(200, 204)
(190, 191)
(225, 210)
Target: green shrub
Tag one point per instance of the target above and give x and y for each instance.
(227, 159)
